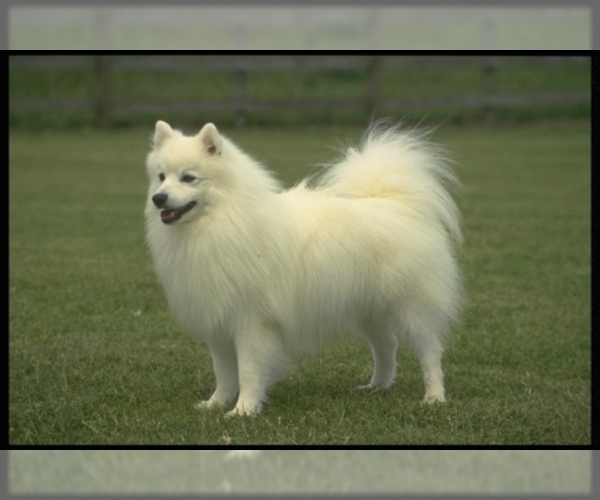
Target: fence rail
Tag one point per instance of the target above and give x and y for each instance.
(372, 102)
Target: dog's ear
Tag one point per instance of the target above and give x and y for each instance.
(210, 139)
(162, 132)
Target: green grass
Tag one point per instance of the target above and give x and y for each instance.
(96, 358)
(382, 471)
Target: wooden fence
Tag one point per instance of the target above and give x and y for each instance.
(372, 102)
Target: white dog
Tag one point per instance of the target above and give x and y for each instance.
(263, 274)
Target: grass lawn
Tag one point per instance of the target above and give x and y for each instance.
(300, 471)
(96, 358)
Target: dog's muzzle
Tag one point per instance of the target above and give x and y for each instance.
(170, 215)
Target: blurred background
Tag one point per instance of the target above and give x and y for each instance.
(300, 27)
(301, 471)
(120, 91)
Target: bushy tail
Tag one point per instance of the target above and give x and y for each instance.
(397, 165)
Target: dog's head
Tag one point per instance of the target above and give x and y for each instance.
(183, 172)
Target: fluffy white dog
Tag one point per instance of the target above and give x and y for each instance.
(263, 274)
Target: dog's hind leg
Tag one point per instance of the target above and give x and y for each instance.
(426, 339)
(430, 358)
(384, 343)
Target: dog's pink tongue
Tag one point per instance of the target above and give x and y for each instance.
(165, 214)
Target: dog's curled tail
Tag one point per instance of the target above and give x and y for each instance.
(398, 165)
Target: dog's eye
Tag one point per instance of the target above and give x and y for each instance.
(188, 178)
(161, 177)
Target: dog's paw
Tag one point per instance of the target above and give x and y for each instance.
(244, 410)
(367, 387)
(434, 398)
(207, 405)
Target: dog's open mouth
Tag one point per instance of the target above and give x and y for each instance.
(170, 216)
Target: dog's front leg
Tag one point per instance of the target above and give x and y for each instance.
(262, 361)
(226, 371)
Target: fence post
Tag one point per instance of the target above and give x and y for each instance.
(489, 74)
(240, 97)
(103, 91)
(373, 101)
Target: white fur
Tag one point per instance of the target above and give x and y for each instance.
(263, 274)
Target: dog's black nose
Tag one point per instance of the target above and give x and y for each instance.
(159, 199)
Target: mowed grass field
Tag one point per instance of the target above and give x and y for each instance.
(96, 357)
(300, 471)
